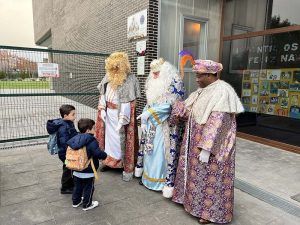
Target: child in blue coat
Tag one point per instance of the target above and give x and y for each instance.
(65, 129)
(84, 180)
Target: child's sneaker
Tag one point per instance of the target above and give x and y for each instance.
(93, 205)
(75, 206)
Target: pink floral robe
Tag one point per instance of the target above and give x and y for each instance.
(206, 189)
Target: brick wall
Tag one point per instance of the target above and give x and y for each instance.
(96, 26)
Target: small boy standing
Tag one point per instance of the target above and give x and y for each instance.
(84, 180)
(65, 130)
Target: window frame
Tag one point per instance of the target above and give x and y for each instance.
(203, 23)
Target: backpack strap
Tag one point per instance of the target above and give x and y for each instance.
(94, 169)
(91, 161)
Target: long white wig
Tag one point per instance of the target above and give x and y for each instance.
(157, 89)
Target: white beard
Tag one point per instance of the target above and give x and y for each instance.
(156, 89)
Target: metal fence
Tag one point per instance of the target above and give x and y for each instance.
(28, 101)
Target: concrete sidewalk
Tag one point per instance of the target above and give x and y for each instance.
(271, 169)
(30, 180)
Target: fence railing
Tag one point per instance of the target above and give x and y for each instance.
(28, 101)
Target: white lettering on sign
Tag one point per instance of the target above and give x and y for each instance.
(288, 58)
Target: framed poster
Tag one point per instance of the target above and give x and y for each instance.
(286, 74)
(295, 112)
(141, 47)
(137, 25)
(141, 65)
(273, 74)
(270, 109)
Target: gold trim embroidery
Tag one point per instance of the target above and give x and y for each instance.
(153, 113)
(153, 179)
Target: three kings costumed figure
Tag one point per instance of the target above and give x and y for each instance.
(116, 127)
(205, 175)
(159, 146)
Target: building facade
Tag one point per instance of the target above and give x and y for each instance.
(256, 40)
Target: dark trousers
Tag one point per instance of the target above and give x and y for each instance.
(66, 179)
(84, 187)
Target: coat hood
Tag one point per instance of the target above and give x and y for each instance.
(80, 140)
(53, 125)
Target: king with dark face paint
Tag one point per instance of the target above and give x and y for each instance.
(205, 174)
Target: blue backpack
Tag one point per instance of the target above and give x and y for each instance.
(52, 144)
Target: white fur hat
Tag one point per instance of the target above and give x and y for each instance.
(156, 64)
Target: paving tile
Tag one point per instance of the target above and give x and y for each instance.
(53, 195)
(18, 180)
(49, 222)
(26, 213)
(43, 159)
(48, 168)
(124, 210)
(14, 160)
(14, 151)
(64, 213)
(50, 180)
(20, 195)
(20, 168)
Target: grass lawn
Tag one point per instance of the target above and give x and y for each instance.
(24, 85)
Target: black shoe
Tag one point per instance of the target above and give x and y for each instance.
(66, 191)
(104, 169)
(141, 182)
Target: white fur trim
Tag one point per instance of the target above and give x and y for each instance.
(138, 172)
(216, 97)
(168, 191)
(127, 176)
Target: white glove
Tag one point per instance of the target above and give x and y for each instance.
(144, 116)
(119, 127)
(103, 115)
(204, 156)
(144, 128)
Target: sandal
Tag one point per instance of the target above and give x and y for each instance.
(203, 221)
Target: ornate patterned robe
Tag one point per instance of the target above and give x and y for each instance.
(206, 189)
(159, 148)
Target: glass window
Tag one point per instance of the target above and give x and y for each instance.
(191, 37)
(193, 40)
(265, 71)
(268, 14)
(194, 37)
(250, 14)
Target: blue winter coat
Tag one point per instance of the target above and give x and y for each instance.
(92, 148)
(65, 131)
